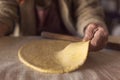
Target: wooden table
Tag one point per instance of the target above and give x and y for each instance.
(102, 65)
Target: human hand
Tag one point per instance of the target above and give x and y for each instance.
(97, 35)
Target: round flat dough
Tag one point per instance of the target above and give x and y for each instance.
(52, 56)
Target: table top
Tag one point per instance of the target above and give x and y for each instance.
(102, 65)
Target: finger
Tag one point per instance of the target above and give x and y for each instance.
(89, 32)
(99, 40)
(95, 43)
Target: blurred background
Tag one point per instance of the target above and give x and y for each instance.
(112, 17)
(112, 13)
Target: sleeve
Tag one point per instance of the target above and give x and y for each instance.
(8, 12)
(86, 12)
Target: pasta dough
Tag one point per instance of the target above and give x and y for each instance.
(52, 56)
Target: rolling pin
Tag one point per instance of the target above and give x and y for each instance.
(113, 42)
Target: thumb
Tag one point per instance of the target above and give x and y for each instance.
(86, 38)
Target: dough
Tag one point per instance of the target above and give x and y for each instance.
(52, 56)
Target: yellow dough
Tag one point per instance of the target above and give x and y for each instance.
(52, 56)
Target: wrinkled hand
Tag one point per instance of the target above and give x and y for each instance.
(97, 35)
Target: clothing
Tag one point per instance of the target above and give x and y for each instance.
(75, 14)
(50, 20)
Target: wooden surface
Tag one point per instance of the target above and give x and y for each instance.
(113, 41)
(102, 65)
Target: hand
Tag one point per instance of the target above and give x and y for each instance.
(97, 35)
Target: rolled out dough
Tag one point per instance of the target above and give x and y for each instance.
(52, 56)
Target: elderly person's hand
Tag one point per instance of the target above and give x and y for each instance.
(97, 35)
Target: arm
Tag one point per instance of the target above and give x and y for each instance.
(90, 23)
(8, 16)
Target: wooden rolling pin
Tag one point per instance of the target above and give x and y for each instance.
(113, 42)
(60, 36)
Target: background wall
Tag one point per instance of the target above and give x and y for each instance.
(112, 13)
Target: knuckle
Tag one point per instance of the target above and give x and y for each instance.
(92, 26)
(103, 32)
(102, 29)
